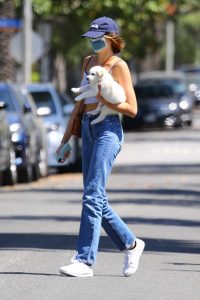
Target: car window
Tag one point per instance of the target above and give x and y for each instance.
(158, 91)
(44, 100)
(65, 99)
(17, 96)
(177, 85)
(159, 88)
(5, 97)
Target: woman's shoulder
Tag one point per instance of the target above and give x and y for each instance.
(119, 64)
(120, 70)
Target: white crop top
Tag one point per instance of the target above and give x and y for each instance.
(91, 99)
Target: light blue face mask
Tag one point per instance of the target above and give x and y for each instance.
(98, 44)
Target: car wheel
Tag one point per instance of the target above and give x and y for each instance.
(24, 174)
(9, 176)
(35, 172)
(188, 123)
(43, 163)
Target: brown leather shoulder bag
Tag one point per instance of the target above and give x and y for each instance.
(77, 121)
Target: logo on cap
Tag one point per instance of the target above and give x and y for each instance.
(95, 26)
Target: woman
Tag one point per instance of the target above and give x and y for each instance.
(100, 145)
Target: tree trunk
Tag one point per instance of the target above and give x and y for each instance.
(7, 65)
(59, 76)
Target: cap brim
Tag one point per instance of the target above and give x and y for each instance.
(93, 34)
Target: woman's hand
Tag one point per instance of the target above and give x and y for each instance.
(66, 155)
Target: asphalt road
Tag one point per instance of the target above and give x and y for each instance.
(155, 189)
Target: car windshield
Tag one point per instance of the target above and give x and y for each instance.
(43, 100)
(5, 97)
(159, 89)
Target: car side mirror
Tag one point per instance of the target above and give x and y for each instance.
(3, 105)
(27, 108)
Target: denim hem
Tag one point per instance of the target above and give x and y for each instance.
(88, 263)
(128, 246)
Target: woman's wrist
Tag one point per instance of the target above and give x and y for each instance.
(65, 138)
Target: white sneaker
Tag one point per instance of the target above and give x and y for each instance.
(132, 258)
(78, 269)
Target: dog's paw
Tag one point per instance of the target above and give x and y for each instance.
(78, 98)
(96, 121)
(92, 123)
(75, 90)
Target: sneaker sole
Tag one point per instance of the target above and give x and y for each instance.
(74, 275)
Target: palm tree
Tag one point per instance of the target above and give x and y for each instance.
(7, 65)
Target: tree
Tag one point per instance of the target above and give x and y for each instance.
(188, 39)
(7, 70)
(142, 24)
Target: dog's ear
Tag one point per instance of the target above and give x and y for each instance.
(100, 73)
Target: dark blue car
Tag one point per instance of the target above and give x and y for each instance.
(22, 133)
(163, 101)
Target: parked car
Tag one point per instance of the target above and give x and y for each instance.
(193, 83)
(55, 116)
(163, 101)
(35, 122)
(23, 132)
(192, 79)
(66, 102)
(8, 173)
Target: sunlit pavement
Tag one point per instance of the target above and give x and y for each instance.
(155, 189)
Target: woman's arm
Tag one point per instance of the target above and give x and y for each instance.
(67, 134)
(122, 74)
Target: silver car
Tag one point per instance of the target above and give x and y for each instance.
(55, 117)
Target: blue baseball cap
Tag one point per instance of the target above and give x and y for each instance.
(100, 27)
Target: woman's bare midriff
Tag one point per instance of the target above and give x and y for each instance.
(89, 107)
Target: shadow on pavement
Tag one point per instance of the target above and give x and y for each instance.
(158, 169)
(30, 273)
(128, 220)
(170, 192)
(23, 241)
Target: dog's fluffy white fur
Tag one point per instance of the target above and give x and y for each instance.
(111, 91)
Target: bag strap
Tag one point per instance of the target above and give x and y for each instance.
(81, 107)
(87, 63)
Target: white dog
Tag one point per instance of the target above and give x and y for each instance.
(111, 91)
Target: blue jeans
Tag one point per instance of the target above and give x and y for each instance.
(100, 145)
